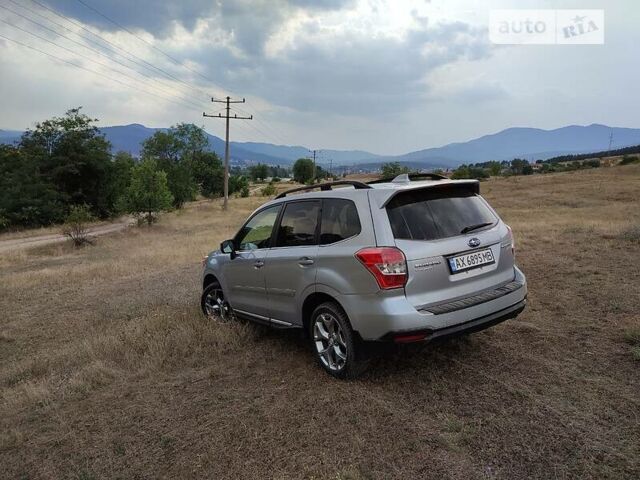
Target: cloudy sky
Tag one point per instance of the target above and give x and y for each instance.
(387, 76)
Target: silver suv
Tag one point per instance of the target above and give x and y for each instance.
(412, 259)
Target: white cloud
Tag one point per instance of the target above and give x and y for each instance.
(388, 76)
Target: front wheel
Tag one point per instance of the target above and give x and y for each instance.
(334, 343)
(213, 303)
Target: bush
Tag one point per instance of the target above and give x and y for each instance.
(269, 190)
(4, 222)
(276, 179)
(631, 234)
(237, 183)
(244, 191)
(632, 337)
(629, 159)
(76, 225)
(593, 163)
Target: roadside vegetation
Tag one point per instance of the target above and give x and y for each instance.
(65, 163)
(108, 369)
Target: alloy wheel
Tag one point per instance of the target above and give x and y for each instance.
(329, 341)
(216, 306)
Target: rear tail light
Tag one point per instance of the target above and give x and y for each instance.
(513, 242)
(387, 264)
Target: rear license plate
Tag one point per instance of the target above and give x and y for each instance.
(460, 263)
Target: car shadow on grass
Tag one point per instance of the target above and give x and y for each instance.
(386, 360)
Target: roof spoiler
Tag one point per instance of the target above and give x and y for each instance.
(409, 177)
(470, 185)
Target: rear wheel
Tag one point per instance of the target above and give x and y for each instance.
(213, 303)
(334, 343)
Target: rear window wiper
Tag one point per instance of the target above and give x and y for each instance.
(471, 228)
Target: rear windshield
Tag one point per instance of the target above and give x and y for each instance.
(430, 214)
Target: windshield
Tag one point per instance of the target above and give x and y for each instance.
(431, 214)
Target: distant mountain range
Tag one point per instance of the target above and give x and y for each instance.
(528, 143)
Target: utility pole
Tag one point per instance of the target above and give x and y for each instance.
(314, 164)
(610, 142)
(227, 116)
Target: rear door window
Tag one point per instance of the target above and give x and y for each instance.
(431, 214)
(299, 224)
(339, 220)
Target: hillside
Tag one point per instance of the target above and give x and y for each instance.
(528, 143)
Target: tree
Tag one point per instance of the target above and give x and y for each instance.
(27, 197)
(148, 192)
(469, 171)
(119, 178)
(259, 172)
(321, 173)
(208, 173)
(190, 140)
(461, 172)
(494, 168)
(279, 171)
(73, 157)
(393, 169)
(517, 165)
(179, 152)
(303, 170)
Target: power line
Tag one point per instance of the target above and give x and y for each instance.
(170, 57)
(227, 117)
(119, 25)
(97, 52)
(272, 130)
(191, 104)
(86, 69)
(139, 61)
(145, 64)
(266, 136)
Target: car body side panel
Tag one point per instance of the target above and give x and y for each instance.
(246, 288)
(289, 273)
(337, 264)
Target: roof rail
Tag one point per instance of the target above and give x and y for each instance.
(325, 186)
(408, 177)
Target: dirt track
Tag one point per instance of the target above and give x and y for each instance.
(42, 240)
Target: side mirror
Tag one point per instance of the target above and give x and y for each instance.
(228, 247)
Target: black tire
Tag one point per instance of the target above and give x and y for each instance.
(354, 362)
(206, 293)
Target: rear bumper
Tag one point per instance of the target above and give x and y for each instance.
(381, 316)
(466, 327)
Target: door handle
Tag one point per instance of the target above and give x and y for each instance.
(258, 264)
(305, 261)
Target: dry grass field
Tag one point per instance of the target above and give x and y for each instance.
(108, 370)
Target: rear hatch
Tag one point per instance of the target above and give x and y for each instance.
(455, 244)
